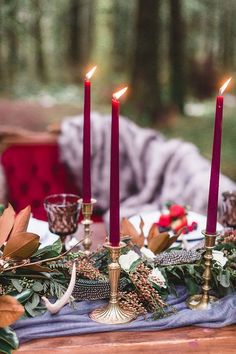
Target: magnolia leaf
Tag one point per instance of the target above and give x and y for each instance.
(6, 223)
(153, 232)
(141, 226)
(128, 229)
(21, 246)
(8, 340)
(35, 300)
(24, 296)
(10, 310)
(21, 221)
(159, 243)
(49, 251)
(174, 238)
(30, 308)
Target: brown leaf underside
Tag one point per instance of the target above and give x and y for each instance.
(21, 221)
(6, 223)
(157, 241)
(21, 246)
(127, 228)
(10, 310)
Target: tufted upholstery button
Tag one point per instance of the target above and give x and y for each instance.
(24, 187)
(11, 169)
(34, 169)
(35, 204)
(46, 187)
(55, 170)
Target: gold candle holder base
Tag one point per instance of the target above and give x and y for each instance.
(203, 301)
(87, 211)
(199, 302)
(112, 313)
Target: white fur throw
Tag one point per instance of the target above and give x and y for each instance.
(153, 170)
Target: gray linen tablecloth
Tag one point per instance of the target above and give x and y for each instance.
(76, 321)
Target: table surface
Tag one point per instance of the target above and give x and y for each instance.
(180, 341)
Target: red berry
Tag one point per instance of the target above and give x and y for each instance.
(177, 211)
(164, 220)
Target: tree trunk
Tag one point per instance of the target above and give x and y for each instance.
(227, 35)
(145, 94)
(40, 66)
(123, 23)
(12, 39)
(177, 55)
(80, 36)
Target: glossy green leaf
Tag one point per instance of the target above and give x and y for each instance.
(16, 284)
(8, 340)
(24, 296)
(37, 286)
(49, 251)
(224, 278)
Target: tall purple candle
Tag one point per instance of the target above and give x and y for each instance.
(114, 172)
(215, 165)
(86, 139)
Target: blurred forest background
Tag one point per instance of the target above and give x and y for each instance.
(173, 54)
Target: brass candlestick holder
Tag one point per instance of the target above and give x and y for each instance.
(113, 313)
(203, 301)
(87, 211)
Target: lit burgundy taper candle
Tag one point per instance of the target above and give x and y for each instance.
(215, 164)
(86, 190)
(114, 172)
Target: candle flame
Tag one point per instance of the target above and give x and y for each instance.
(90, 73)
(222, 89)
(118, 94)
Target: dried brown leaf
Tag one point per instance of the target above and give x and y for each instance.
(141, 226)
(10, 310)
(21, 221)
(159, 243)
(153, 232)
(174, 238)
(128, 229)
(6, 223)
(21, 246)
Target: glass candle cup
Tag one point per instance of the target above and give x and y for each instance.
(229, 209)
(63, 213)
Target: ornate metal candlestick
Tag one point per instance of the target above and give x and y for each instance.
(113, 313)
(87, 211)
(203, 301)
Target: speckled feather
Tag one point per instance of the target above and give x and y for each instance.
(178, 257)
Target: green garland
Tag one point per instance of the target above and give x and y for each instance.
(28, 286)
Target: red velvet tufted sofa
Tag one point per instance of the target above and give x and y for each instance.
(34, 171)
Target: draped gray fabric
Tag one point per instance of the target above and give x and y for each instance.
(153, 170)
(76, 322)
